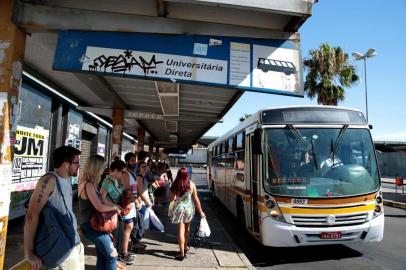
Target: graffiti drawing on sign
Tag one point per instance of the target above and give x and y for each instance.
(30, 157)
(124, 63)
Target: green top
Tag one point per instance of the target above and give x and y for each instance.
(113, 187)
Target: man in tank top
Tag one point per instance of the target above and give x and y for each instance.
(66, 164)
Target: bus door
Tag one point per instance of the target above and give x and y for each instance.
(254, 173)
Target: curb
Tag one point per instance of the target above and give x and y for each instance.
(395, 204)
(237, 250)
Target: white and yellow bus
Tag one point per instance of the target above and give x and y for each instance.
(304, 175)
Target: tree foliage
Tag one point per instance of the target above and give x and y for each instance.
(245, 116)
(329, 71)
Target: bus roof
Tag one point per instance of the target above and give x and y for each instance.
(306, 114)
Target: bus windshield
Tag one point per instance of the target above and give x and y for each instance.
(320, 162)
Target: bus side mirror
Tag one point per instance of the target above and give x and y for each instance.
(256, 142)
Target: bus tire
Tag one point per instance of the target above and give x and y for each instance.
(240, 211)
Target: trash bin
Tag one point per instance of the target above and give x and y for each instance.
(399, 183)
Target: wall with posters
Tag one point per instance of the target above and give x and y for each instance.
(34, 110)
(30, 147)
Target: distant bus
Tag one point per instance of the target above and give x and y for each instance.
(297, 176)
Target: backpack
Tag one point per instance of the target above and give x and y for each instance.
(137, 232)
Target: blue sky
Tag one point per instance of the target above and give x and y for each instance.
(354, 26)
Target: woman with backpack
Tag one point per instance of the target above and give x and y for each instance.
(184, 195)
(114, 187)
(90, 201)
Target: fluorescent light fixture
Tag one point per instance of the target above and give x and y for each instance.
(99, 119)
(53, 90)
(128, 136)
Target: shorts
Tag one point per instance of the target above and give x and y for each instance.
(133, 213)
(128, 221)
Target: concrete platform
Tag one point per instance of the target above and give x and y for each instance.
(220, 252)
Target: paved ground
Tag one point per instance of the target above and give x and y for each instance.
(220, 252)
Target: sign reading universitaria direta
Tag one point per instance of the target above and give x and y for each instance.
(260, 65)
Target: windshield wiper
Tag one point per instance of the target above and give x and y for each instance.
(309, 148)
(338, 140)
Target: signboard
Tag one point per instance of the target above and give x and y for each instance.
(261, 65)
(30, 157)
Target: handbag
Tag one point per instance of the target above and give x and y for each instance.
(104, 221)
(55, 236)
(126, 202)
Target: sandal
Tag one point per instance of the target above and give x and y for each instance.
(179, 257)
(187, 249)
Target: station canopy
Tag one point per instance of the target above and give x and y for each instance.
(174, 108)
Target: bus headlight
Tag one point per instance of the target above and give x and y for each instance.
(378, 210)
(273, 210)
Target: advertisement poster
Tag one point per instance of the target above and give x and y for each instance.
(30, 157)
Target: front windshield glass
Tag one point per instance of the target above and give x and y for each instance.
(320, 162)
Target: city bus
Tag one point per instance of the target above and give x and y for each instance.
(297, 176)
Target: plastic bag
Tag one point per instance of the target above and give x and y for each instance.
(154, 222)
(146, 218)
(204, 229)
(171, 208)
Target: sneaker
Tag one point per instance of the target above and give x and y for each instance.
(126, 258)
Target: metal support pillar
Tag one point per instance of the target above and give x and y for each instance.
(12, 47)
(117, 132)
(141, 138)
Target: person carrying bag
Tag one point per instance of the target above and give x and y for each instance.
(50, 221)
(185, 200)
(90, 202)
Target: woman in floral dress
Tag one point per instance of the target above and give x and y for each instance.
(184, 192)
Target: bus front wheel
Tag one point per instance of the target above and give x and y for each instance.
(240, 211)
(213, 191)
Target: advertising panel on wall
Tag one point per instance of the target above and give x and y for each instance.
(260, 65)
(30, 157)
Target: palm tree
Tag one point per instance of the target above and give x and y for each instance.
(329, 71)
(246, 116)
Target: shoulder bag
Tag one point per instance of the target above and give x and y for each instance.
(103, 221)
(55, 236)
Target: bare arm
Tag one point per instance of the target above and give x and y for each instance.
(99, 205)
(172, 196)
(143, 192)
(126, 181)
(197, 201)
(39, 198)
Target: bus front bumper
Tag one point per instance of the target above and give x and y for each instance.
(280, 234)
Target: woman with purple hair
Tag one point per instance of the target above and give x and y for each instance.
(184, 192)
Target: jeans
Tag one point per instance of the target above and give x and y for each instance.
(106, 253)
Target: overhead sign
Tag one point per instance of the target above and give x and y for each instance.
(261, 65)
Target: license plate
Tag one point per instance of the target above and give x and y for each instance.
(330, 235)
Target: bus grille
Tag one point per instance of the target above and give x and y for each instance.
(321, 221)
